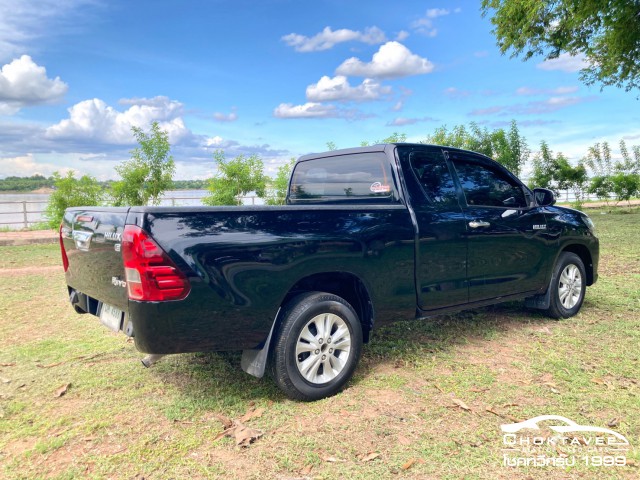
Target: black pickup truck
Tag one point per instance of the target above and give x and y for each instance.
(368, 235)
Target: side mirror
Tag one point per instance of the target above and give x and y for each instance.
(544, 197)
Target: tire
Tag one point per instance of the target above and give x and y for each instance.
(317, 346)
(568, 286)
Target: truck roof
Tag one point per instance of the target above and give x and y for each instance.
(381, 147)
(346, 151)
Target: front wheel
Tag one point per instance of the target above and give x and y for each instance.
(568, 286)
(317, 346)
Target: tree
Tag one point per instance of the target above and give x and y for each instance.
(544, 167)
(626, 179)
(508, 148)
(149, 172)
(71, 192)
(518, 150)
(606, 33)
(556, 173)
(598, 159)
(395, 137)
(571, 178)
(23, 184)
(235, 178)
(277, 192)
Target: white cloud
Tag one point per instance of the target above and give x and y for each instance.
(453, 92)
(328, 38)
(527, 91)
(402, 35)
(95, 121)
(550, 105)
(23, 83)
(308, 110)
(487, 111)
(216, 141)
(338, 89)
(425, 25)
(392, 60)
(402, 121)
(436, 12)
(226, 117)
(318, 110)
(25, 164)
(564, 63)
(23, 21)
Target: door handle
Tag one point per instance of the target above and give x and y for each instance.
(478, 223)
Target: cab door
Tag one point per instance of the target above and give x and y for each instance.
(507, 240)
(441, 243)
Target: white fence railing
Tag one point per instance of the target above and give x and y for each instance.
(19, 214)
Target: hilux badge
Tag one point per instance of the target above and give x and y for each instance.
(113, 236)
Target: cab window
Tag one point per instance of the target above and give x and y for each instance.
(365, 176)
(489, 187)
(430, 168)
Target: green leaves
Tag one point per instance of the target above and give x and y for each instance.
(144, 179)
(607, 33)
(71, 192)
(556, 173)
(150, 171)
(622, 178)
(277, 192)
(508, 148)
(236, 178)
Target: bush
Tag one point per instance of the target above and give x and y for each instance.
(235, 178)
(277, 194)
(149, 172)
(71, 192)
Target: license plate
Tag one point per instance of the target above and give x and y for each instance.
(111, 317)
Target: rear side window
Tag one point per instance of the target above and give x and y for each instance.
(363, 176)
(433, 175)
(483, 186)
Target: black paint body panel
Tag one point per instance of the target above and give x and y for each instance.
(412, 258)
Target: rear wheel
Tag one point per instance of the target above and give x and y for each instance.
(568, 286)
(317, 347)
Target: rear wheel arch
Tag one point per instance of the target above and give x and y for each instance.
(343, 284)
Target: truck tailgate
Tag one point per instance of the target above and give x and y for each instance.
(92, 240)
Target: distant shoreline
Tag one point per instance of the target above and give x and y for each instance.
(39, 191)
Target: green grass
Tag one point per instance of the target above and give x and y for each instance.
(41, 255)
(120, 420)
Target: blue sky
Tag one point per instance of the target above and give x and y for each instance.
(278, 78)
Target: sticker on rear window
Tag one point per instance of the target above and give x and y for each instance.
(377, 187)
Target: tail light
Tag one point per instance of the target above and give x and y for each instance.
(65, 259)
(151, 275)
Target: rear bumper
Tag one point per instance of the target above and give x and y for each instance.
(172, 327)
(83, 303)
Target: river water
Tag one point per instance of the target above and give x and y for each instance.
(16, 209)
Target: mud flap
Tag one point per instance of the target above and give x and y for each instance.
(542, 301)
(254, 361)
